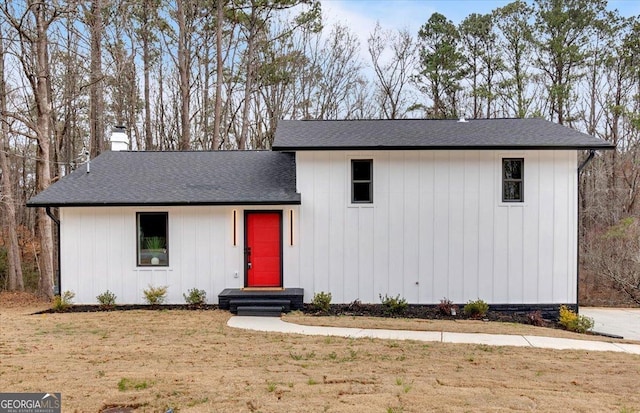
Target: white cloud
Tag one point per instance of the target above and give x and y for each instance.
(361, 16)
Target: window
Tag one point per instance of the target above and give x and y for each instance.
(512, 180)
(362, 181)
(153, 240)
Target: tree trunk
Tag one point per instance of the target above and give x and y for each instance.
(43, 132)
(146, 61)
(219, 73)
(184, 69)
(96, 98)
(13, 249)
(248, 83)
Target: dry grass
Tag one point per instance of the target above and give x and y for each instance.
(191, 361)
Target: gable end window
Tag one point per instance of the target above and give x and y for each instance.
(153, 238)
(512, 180)
(362, 181)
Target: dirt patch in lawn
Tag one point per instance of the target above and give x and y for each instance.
(191, 361)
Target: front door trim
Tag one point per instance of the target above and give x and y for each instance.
(246, 251)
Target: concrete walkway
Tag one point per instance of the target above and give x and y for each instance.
(623, 322)
(277, 325)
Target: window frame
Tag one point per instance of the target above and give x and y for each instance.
(139, 238)
(354, 181)
(504, 180)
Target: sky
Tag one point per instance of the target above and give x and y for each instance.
(361, 15)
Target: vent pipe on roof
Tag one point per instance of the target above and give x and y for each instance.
(119, 139)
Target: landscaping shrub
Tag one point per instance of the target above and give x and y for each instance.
(64, 301)
(394, 305)
(476, 309)
(195, 297)
(156, 295)
(107, 300)
(446, 307)
(321, 301)
(535, 318)
(574, 322)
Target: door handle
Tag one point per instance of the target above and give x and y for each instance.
(249, 265)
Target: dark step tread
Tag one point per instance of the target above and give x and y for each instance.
(259, 301)
(281, 305)
(259, 311)
(294, 295)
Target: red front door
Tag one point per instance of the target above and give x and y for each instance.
(263, 249)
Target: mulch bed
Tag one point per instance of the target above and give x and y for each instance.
(82, 308)
(428, 312)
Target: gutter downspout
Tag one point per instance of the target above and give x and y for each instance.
(58, 275)
(592, 153)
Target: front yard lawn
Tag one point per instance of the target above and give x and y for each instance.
(191, 361)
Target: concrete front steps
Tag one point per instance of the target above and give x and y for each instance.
(261, 302)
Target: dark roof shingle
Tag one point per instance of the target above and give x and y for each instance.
(178, 178)
(430, 134)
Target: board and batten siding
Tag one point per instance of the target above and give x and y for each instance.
(437, 227)
(98, 248)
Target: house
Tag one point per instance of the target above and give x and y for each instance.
(424, 209)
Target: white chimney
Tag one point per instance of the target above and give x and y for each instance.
(119, 139)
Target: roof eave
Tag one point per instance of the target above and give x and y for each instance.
(161, 204)
(442, 147)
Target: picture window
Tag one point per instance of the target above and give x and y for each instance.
(153, 238)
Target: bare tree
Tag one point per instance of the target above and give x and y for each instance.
(31, 26)
(96, 88)
(217, 108)
(147, 15)
(7, 198)
(392, 77)
(340, 74)
(615, 254)
(68, 79)
(185, 17)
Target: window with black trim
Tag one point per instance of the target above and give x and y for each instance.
(362, 181)
(153, 238)
(512, 180)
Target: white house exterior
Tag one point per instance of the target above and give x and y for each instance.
(202, 252)
(438, 227)
(428, 213)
